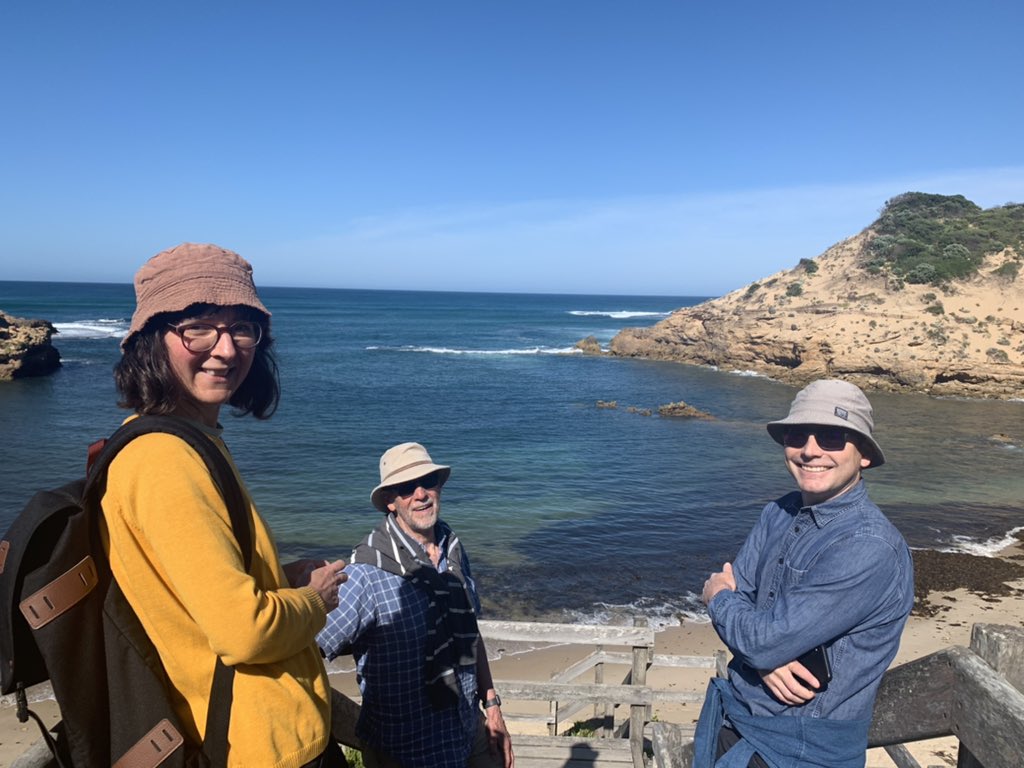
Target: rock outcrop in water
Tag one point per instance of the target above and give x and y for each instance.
(26, 348)
(858, 313)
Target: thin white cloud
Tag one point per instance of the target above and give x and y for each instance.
(688, 245)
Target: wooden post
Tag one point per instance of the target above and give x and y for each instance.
(344, 715)
(975, 716)
(603, 711)
(721, 664)
(639, 714)
(640, 677)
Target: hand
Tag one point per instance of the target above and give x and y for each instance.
(497, 733)
(718, 581)
(298, 572)
(326, 579)
(789, 683)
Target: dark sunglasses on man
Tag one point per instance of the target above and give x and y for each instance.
(427, 482)
(827, 438)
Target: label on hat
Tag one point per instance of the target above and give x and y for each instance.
(842, 413)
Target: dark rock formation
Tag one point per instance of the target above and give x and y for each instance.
(683, 410)
(25, 348)
(589, 346)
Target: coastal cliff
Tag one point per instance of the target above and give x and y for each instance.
(926, 299)
(26, 348)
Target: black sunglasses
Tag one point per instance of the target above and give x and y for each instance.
(427, 482)
(827, 438)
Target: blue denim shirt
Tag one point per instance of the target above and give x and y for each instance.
(782, 742)
(837, 573)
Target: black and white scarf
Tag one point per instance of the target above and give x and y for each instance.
(452, 631)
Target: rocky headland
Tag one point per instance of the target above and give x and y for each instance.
(926, 299)
(26, 348)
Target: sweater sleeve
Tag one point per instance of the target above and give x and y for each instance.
(162, 490)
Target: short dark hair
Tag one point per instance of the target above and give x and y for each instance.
(147, 384)
(864, 446)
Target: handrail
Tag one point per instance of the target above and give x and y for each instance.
(634, 692)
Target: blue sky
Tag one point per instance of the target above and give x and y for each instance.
(677, 148)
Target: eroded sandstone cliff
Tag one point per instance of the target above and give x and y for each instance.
(26, 348)
(833, 317)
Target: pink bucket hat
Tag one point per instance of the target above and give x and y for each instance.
(192, 273)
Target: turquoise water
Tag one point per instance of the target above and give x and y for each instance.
(570, 511)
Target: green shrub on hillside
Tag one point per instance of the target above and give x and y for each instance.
(933, 239)
(997, 355)
(1009, 270)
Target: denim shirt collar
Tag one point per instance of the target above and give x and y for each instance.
(824, 513)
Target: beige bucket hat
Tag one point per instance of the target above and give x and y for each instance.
(832, 403)
(406, 461)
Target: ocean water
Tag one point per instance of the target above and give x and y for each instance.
(570, 511)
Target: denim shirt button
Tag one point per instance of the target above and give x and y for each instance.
(781, 560)
(796, 529)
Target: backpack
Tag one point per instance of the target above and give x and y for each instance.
(63, 618)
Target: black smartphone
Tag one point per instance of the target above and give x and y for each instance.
(817, 663)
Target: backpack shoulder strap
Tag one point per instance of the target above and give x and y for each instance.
(220, 469)
(218, 718)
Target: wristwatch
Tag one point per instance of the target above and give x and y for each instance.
(494, 701)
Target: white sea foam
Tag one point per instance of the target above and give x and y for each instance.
(657, 615)
(92, 329)
(622, 314)
(491, 352)
(986, 548)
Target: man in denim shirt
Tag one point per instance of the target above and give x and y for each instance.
(822, 567)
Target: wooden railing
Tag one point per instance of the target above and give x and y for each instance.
(568, 695)
(975, 694)
(621, 740)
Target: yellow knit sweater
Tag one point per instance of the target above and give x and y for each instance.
(174, 554)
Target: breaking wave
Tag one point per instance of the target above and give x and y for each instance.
(453, 351)
(92, 329)
(622, 314)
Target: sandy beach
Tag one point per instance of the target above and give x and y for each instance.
(955, 591)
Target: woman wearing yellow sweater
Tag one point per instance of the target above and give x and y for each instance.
(199, 340)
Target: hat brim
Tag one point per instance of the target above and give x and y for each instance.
(378, 497)
(778, 428)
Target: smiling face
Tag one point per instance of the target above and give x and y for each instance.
(208, 379)
(417, 511)
(822, 475)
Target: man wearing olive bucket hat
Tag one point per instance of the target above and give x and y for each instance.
(408, 615)
(814, 604)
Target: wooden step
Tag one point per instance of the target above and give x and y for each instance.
(571, 752)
